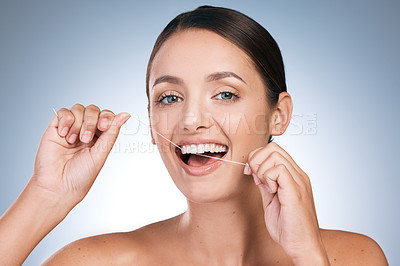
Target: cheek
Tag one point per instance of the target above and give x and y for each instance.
(247, 122)
(247, 129)
(259, 123)
(163, 121)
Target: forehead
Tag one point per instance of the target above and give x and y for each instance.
(195, 53)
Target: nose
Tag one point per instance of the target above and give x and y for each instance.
(195, 117)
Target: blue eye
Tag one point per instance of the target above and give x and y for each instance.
(170, 99)
(226, 96)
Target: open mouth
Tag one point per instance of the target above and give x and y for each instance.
(191, 155)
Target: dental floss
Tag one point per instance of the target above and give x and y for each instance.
(176, 145)
(54, 110)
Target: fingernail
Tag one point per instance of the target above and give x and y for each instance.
(120, 121)
(126, 119)
(64, 131)
(268, 188)
(86, 136)
(104, 123)
(72, 138)
(256, 179)
(246, 170)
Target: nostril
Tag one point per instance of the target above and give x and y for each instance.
(195, 121)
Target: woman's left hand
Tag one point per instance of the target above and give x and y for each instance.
(288, 203)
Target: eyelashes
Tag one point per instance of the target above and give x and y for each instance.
(168, 98)
(227, 96)
(171, 98)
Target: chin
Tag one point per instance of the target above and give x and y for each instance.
(219, 186)
(202, 197)
(205, 179)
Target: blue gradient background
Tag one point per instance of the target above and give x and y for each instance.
(342, 63)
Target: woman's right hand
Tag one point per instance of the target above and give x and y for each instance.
(73, 149)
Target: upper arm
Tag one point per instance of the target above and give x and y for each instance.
(97, 250)
(368, 251)
(80, 252)
(346, 248)
(377, 255)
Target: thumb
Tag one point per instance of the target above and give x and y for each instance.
(266, 195)
(54, 122)
(105, 142)
(265, 190)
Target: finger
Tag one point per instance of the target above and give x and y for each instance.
(90, 118)
(105, 142)
(77, 110)
(65, 121)
(279, 178)
(269, 198)
(256, 163)
(256, 179)
(105, 119)
(260, 153)
(302, 177)
(276, 158)
(53, 122)
(252, 165)
(288, 157)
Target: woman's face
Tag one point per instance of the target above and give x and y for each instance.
(206, 96)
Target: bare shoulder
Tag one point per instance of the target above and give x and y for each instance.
(347, 248)
(95, 250)
(122, 248)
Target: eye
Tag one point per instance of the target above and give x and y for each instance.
(226, 96)
(167, 99)
(171, 99)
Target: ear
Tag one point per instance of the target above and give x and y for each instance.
(281, 115)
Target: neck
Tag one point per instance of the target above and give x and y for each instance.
(230, 232)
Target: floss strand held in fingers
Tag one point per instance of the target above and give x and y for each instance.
(176, 145)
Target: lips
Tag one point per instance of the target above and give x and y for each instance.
(190, 158)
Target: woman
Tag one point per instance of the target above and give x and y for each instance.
(216, 86)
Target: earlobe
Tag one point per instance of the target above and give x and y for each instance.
(276, 127)
(282, 114)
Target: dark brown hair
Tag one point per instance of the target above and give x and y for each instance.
(242, 31)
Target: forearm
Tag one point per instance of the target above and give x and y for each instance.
(318, 259)
(316, 255)
(29, 219)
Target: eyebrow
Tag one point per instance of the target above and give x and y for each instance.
(168, 79)
(212, 77)
(224, 74)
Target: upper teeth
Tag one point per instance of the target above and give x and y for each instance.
(202, 148)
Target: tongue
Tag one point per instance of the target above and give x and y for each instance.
(195, 160)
